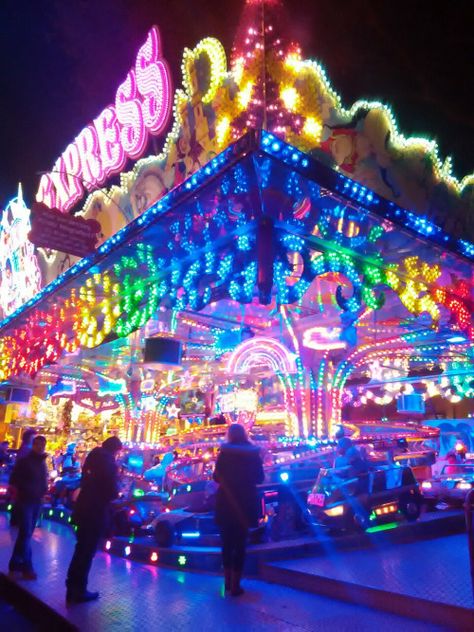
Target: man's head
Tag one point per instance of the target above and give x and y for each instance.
(39, 444)
(352, 454)
(28, 436)
(343, 445)
(112, 444)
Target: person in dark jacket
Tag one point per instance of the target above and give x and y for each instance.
(26, 443)
(28, 485)
(99, 486)
(24, 449)
(238, 470)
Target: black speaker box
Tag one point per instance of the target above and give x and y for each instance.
(162, 351)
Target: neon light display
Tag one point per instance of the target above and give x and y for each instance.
(142, 107)
(239, 400)
(131, 289)
(260, 351)
(263, 353)
(20, 276)
(323, 338)
(189, 236)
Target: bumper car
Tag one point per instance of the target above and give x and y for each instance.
(364, 501)
(451, 486)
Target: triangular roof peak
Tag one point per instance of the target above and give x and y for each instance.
(260, 43)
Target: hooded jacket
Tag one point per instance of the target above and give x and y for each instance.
(99, 486)
(238, 471)
(30, 477)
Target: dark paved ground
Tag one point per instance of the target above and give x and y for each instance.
(437, 570)
(12, 620)
(137, 597)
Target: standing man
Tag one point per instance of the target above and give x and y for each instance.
(28, 484)
(26, 443)
(25, 448)
(99, 486)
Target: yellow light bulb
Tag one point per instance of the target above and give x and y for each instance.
(222, 127)
(245, 95)
(290, 98)
(312, 128)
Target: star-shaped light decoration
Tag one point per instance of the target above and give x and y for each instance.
(186, 380)
(172, 411)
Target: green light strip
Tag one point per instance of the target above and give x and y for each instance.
(382, 527)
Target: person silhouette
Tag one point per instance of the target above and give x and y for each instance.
(238, 471)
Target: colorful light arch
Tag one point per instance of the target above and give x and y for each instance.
(267, 352)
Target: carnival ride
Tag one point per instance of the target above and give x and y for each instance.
(301, 285)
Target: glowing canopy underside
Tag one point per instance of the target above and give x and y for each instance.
(262, 225)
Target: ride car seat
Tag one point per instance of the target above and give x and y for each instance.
(379, 481)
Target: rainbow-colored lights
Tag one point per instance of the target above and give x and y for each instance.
(236, 208)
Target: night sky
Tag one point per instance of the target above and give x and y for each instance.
(62, 61)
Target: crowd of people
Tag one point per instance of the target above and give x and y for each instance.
(238, 471)
(28, 485)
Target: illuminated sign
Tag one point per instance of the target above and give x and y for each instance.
(52, 229)
(242, 399)
(323, 338)
(20, 276)
(142, 107)
(107, 386)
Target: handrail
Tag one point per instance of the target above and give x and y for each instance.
(468, 512)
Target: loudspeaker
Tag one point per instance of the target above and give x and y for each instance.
(15, 395)
(162, 351)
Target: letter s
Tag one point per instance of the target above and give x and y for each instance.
(154, 83)
(134, 134)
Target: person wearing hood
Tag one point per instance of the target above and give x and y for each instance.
(28, 485)
(344, 444)
(26, 443)
(238, 471)
(99, 487)
(25, 448)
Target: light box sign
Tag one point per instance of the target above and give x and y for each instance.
(52, 229)
(240, 400)
(143, 104)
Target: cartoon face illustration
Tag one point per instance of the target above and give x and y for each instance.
(342, 148)
(148, 188)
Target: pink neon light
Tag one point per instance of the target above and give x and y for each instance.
(47, 191)
(153, 80)
(91, 167)
(111, 151)
(133, 135)
(258, 351)
(71, 167)
(142, 106)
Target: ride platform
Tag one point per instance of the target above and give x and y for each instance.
(425, 579)
(140, 597)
